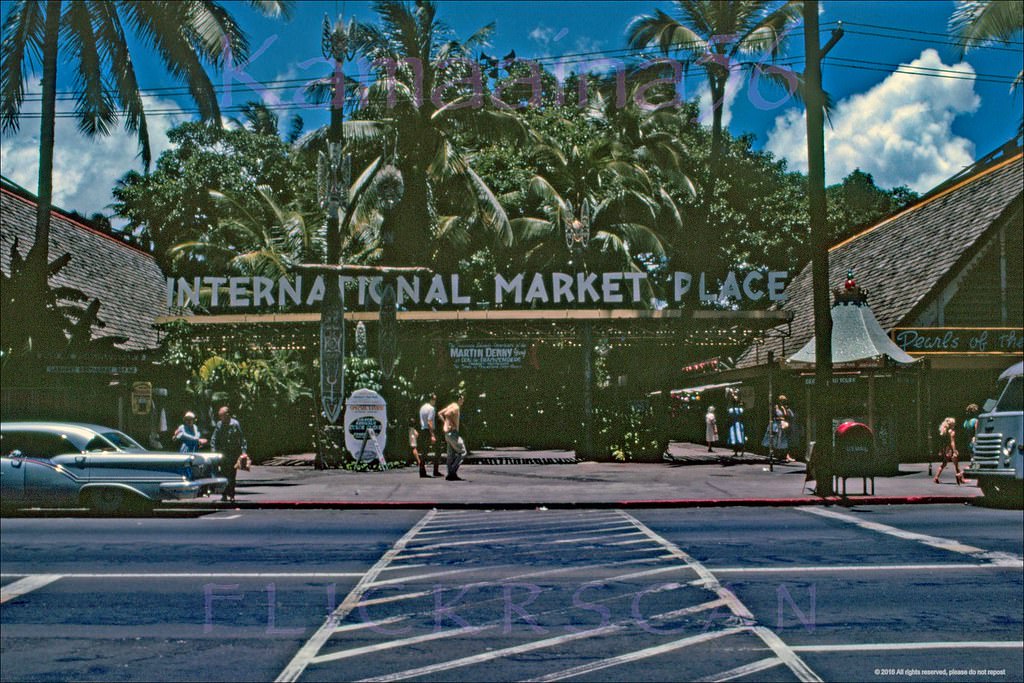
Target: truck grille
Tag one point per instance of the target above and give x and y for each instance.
(988, 448)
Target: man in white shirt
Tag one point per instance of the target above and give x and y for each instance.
(428, 436)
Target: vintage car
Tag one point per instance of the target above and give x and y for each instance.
(58, 464)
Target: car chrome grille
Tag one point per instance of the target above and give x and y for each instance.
(987, 450)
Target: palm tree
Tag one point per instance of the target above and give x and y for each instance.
(977, 22)
(604, 185)
(92, 37)
(713, 34)
(274, 239)
(436, 170)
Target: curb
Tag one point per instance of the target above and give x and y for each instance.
(680, 503)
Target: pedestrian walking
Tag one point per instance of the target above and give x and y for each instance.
(414, 445)
(777, 435)
(710, 428)
(428, 440)
(948, 451)
(969, 432)
(229, 441)
(456, 446)
(187, 434)
(737, 433)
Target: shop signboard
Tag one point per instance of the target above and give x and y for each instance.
(142, 398)
(960, 340)
(366, 417)
(487, 355)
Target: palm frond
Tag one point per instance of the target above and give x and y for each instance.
(21, 41)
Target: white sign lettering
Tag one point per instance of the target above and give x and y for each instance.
(627, 289)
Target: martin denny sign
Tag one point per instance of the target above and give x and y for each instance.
(447, 290)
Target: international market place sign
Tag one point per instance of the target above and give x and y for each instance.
(524, 289)
(960, 340)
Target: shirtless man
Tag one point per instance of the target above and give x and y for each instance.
(456, 446)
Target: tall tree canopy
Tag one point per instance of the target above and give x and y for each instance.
(92, 38)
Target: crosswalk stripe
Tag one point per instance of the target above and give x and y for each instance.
(629, 657)
(306, 653)
(26, 585)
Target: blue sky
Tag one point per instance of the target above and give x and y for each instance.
(903, 128)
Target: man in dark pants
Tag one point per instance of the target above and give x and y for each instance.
(228, 440)
(428, 440)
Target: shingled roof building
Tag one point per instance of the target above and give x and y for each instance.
(130, 288)
(946, 281)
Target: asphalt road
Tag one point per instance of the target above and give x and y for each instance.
(873, 594)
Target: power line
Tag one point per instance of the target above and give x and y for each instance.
(918, 32)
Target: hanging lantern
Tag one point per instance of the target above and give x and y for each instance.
(850, 283)
(361, 339)
(577, 230)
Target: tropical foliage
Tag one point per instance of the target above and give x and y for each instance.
(92, 37)
(716, 35)
(64, 319)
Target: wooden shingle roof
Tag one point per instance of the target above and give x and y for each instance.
(903, 260)
(126, 280)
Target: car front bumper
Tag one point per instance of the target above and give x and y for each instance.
(185, 490)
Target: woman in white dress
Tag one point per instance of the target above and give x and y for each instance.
(711, 428)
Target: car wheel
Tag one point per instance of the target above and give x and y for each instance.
(107, 501)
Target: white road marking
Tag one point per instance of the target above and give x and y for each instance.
(395, 567)
(745, 670)
(786, 654)
(415, 556)
(536, 645)
(428, 575)
(369, 624)
(708, 580)
(391, 644)
(999, 558)
(588, 539)
(494, 654)
(217, 517)
(638, 540)
(584, 669)
(27, 585)
(501, 538)
(393, 598)
(308, 651)
(437, 530)
(864, 568)
(204, 575)
(944, 645)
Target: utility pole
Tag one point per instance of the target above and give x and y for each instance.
(815, 98)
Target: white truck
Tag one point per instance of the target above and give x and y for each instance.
(998, 462)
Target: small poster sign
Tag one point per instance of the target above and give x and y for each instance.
(366, 419)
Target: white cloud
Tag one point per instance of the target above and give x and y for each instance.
(84, 169)
(900, 130)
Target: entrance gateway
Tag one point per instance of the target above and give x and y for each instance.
(527, 371)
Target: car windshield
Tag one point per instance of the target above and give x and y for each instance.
(123, 441)
(1012, 399)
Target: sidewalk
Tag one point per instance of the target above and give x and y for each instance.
(693, 478)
